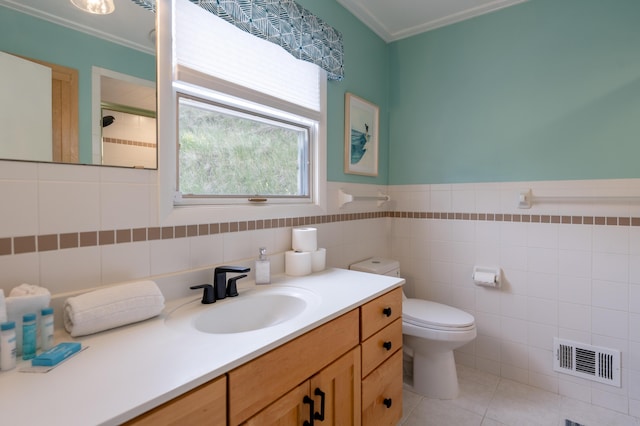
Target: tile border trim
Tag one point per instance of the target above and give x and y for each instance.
(119, 141)
(70, 240)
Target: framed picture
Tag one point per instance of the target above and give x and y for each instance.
(360, 136)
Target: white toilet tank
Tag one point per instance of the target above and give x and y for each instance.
(378, 265)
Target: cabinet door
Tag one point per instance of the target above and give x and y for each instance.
(256, 384)
(289, 410)
(338, 386)
(205, 405)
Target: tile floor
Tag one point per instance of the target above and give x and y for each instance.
(488, 400)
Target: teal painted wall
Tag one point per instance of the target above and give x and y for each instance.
(367, 75)
(544, 90)
(548, 89)
(63, 46)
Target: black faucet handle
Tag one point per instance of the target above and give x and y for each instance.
(208, 295)
(237, 269)
(232, 288)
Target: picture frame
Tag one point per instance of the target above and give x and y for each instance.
(361, 124)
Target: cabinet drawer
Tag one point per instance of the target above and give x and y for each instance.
(381, 346)
(380, 312)
(382, 393)
(257, 383)
(206, 404)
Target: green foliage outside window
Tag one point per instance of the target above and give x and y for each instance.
(225, 153)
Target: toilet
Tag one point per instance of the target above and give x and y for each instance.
(431, 332)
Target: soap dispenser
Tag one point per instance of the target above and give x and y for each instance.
(263, 268)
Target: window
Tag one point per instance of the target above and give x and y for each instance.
(228, 153)
(250, 117)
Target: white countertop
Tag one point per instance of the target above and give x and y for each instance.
(129, 370)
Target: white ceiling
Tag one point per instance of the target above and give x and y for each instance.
(127, 93)
(397, 19)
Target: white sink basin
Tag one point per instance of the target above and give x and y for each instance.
(251, 310)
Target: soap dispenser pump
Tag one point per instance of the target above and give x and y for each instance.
(263, 268)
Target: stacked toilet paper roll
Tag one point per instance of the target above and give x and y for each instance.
(318, 259)
(304, 239)
(297, 263)
(305, 256)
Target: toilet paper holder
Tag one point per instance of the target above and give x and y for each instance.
(487, 276)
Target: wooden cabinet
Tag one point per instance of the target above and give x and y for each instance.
(258, 383)
(332, 397)
(381, 334)
(206, 404)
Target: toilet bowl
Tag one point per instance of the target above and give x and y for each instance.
(431, 332)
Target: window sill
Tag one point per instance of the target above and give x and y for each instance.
(181, 215)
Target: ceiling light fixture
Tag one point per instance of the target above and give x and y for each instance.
(98, 7)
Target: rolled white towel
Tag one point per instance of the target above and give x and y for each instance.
(28, 290)
(112, 307)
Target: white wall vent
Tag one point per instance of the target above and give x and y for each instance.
(586, 361)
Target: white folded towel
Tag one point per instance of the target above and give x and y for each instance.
(28, 290)
(112, 307)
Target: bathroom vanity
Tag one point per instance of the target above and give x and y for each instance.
(341, 357)
(348, 371)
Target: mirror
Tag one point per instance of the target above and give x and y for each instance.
(88, 61)
(126, 120)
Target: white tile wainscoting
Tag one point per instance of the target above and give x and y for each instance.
(570, 270)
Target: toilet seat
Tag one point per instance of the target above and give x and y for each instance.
(433, 315)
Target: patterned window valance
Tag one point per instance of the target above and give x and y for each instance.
(283, 22)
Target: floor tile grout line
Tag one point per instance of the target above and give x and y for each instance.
(493, 395)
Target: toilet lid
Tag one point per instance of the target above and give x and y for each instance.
(435, 315)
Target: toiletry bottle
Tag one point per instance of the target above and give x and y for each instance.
(7, 345)
(263, 268)
(46, 329)
(29, 336)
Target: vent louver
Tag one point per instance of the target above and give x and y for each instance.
(589, 362)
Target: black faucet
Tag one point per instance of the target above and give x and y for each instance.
(220, 277)
(218, 290)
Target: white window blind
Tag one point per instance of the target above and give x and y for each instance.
(208, 44)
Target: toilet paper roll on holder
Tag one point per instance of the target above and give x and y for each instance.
(486, 276)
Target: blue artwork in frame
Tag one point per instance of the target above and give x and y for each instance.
(361, 136)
